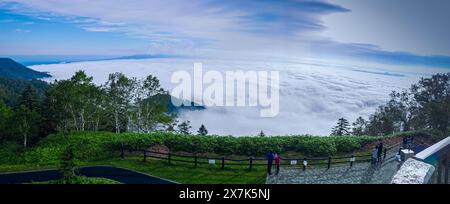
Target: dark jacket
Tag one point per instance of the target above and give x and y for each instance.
(269, 157)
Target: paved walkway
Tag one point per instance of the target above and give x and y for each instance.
(359, 173)
(121, 175)
(362, 173)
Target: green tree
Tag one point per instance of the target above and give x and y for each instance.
(171, 126)
(67, 165)
(202, 130)
(76, 102)
(26, 118)
(58, 104)
(5, 119)
(261, 134)
(29, 98)
(26, 124)
(405, 111)
(82, 93)
(342, 127)
(149, 105)
(359, 126)
(382, 122)
(433, 95)
(184, 127)
(49, 114)
(119, 93)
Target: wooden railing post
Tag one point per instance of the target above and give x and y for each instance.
(195, 158)
(251, 163)
(168, 158)
(352, 160)
(305, 162)
(145, 156)
(223, 162)
(122, 154)
(329, 162)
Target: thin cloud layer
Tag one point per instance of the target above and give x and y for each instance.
(216, 28)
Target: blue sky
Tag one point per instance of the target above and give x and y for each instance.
(405, 32)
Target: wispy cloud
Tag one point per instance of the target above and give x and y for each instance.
(279, 28)
(22, 31)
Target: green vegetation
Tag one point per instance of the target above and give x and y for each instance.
(426, 105)
(80, 180)
(65, 151)
(98, 146)
(11, 89)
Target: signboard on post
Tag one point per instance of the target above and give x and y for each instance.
(211, 161)
(293, 162)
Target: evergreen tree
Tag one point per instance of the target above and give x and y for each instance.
(67, 165)
(184, 127)
(202, 130)
(342, 127)
(29, 98)
(26, 119)
(5, 119)
(49, 114)
(261, 134)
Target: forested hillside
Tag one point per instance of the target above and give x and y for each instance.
(11, 69)
(11, 89)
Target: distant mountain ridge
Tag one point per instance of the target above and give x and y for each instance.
(11, 69)
(61, 59)
(144, 56)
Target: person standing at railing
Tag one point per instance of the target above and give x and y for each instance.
(277, 163)
(374, 155)
(380, 151)
(270, 158)
(405, 141)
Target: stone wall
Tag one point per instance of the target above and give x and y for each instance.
(413, 171)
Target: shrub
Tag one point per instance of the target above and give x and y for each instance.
(347, 144)
(91, 146)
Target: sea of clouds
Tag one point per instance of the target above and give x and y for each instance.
(313, 95)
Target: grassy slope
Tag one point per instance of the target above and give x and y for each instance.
(179, 172)
(188, 174)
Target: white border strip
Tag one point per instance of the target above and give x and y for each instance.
(433, 149)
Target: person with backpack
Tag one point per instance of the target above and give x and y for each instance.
(269, 157)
